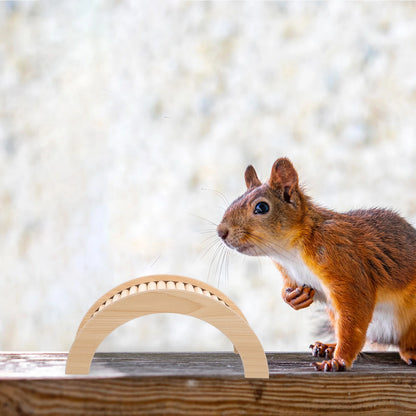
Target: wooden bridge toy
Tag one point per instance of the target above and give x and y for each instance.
(165, 294)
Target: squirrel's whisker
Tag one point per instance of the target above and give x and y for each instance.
(220, 194)
(205, 219)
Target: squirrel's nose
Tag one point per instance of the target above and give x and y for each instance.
(222, 231)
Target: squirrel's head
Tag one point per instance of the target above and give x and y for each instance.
(265, 217)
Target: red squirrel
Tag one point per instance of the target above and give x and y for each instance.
(361, 263)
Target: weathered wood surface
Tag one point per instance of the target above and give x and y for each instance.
(202, 384)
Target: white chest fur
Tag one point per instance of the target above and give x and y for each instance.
(383, 328)
(298, 271)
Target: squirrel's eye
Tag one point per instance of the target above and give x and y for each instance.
(261, 208)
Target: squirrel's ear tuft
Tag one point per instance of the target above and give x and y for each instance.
(251, 177)
(284, 177)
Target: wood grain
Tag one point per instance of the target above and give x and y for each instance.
(203, 384)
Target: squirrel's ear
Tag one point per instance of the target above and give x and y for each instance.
(251, 177)
(284, 177)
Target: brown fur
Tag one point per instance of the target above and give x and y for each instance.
(362, 258)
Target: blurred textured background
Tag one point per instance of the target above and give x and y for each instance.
(121, 122)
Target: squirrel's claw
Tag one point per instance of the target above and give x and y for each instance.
(329, 365)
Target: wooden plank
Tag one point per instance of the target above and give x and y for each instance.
(202, 384)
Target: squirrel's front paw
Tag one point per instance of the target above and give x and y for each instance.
(299, 297)
(330, 365)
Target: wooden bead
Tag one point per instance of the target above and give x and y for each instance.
(161, 284)
(180, 286)
(151, 286)
(171, 285)
(189, 287)
(143, 287)
(133, 290)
